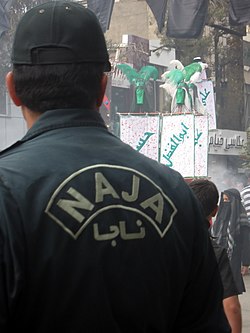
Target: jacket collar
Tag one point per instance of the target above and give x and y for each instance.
(61, 118)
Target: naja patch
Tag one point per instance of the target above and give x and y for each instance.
(114, 201)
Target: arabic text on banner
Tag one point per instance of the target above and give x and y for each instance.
(206, 95)
(177, 143)
(142, 133)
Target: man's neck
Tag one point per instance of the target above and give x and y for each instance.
(30, 116)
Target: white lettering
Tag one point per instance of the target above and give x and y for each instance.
(69, 205)
(156, 204)
(103, 187)
(135, 190)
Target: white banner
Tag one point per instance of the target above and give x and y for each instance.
(177, 143)
(201, 146)
(142, 133)
(184, 144)
(206, 96)
(183, 140)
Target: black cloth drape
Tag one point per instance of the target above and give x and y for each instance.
(158, 8)
(186, 18)
(103, 10)
(239, 12)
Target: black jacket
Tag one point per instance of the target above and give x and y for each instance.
(96, 237)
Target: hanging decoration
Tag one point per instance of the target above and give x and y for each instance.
(139, 79)
(180, 84)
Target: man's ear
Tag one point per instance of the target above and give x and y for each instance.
(103, 89)
(11, 89)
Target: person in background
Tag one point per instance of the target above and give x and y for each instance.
(208, 195)
(93, 235)
(203, 73)
(245, 197)
(231, 230)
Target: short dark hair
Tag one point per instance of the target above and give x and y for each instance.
(58, 86)
(207, 193)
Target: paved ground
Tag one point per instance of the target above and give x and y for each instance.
(245, 305)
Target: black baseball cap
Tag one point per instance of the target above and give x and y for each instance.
(59, 32)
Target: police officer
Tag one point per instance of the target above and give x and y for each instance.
(94, 236)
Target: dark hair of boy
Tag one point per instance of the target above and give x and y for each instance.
(208, 195)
